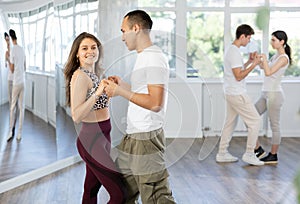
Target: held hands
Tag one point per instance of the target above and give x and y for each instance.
(101, 87)
(263, 57)
(115, 79)
(252, 56)
(111, 86)
(257, 59)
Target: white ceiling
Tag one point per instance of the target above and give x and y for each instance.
(12, 1)
(21, 5)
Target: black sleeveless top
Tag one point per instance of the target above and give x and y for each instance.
(102, 101)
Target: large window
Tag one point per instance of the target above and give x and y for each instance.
(204, 44)
(163, 34)
(157, 3)
(206, 3)
(288, 22)
(32, 29)
(72, 19)
(46, 33)
(209, 27)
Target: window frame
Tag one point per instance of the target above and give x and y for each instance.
(181, 9)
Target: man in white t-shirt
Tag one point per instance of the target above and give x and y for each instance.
(10, 76)
(17, 66)
(238, 102)
(141, 151)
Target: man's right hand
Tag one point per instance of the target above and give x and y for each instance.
(115, 79)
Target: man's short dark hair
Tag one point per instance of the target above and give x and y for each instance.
(244, 29)
(139, 17)
(12, 34)
(5, 35)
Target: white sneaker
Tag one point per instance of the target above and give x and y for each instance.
(19, 137)
(226, 157)
(9, 137)
(252, 159)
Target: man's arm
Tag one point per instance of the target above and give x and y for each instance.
(153, 101)
(120, 82)
(240, 73)
(11, 67)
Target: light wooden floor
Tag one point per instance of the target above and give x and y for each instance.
(193, 181)
(36, 149)
(41, 143)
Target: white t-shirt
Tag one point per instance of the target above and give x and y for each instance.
(273, 82)
(151, 67)
(17, 57)
(233, 59)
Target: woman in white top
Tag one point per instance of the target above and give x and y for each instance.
(272, 96)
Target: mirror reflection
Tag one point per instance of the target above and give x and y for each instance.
(48, 131)
(37, 147)
(34, 145)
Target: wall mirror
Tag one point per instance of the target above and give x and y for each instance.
(38, 146)
(46, 34)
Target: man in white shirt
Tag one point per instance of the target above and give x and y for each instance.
(238, 102)
(10, 77)
(141, 158)
(17, 65)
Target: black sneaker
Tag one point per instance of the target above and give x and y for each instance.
(270, 159)
(13, 131)
(259, 152)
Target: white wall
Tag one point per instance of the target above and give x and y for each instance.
(184, 111)
(213, 109)
(290, 115)
(40, 96)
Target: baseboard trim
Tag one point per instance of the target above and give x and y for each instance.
(38, 173)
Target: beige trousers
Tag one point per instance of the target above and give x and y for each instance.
(17, 99)
(240, 105)
(10, 87)
(272, 103)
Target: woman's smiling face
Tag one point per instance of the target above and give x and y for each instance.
(88, 52)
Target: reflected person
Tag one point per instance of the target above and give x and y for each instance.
(10, 78)
(17, 65)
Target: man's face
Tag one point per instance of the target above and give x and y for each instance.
(129, 35)
(246, 40)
